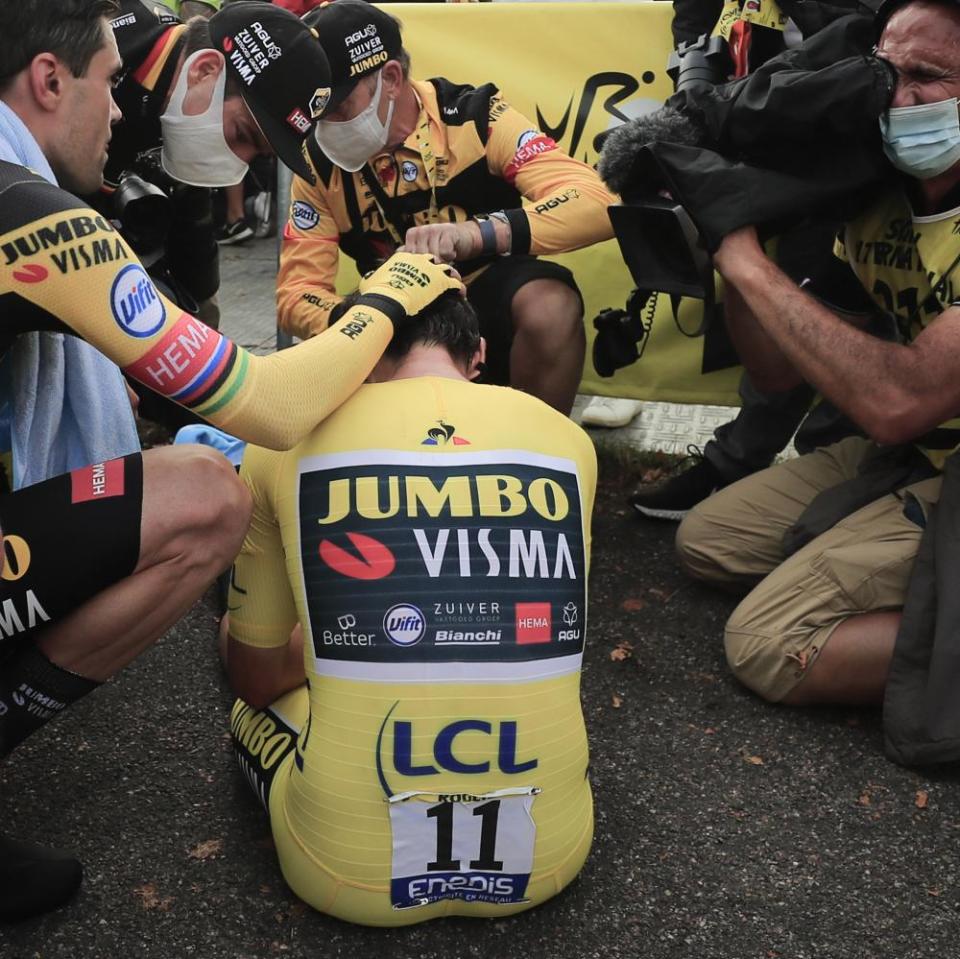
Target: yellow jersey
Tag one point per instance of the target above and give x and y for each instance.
(432, 537)
(909, 266)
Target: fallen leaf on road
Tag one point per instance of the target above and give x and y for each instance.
(206, 850)
(632, 605)
(702, 677)
(149, 898)
(623, 650)
(754, 760)
(921, 799)
(616, 701)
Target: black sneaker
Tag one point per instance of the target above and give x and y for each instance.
(34, 880)
(237, 232)
(673, 497)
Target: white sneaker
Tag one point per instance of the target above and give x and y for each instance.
(259, 209)
(609, 411)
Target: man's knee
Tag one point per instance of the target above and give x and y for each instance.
(195, 506)
(755, 660)
(696, 541)
(548, 308)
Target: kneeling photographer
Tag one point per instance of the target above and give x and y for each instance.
(691, 151)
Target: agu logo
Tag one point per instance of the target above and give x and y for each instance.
(404, 624)
(135, 303)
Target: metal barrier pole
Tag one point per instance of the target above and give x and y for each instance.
(284, 184)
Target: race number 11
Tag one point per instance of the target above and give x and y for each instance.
(477, 851)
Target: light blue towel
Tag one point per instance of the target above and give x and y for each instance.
(69, 402)
(210, 436)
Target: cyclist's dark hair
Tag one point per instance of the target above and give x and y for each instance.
(450, 321)
(72, 30)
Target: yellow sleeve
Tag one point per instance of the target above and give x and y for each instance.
(567, 200)
(71, 270)
(587, 471)
(261, 604)
(309, 255)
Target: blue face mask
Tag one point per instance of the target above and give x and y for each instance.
(922, 141)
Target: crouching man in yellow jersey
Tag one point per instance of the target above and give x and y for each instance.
(433, 538)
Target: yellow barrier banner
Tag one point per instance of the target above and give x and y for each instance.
(577, 70)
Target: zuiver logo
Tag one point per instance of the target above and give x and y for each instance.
(372, 559)
(136, 306)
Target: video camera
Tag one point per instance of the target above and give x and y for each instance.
(661, 248)
(699, 65)
(658, 240)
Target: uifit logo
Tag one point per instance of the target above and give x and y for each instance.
(404, 624)
(135, 303)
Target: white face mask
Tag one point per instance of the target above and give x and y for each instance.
(350, 143)
(923, 140)
(194, 149)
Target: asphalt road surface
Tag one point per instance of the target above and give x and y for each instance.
(726, 828)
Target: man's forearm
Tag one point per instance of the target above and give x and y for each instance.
(866, 377)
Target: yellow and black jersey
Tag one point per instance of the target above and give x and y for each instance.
(150, 40)
(64, 267)
(471, 153)
(433, 539)
(910, 266)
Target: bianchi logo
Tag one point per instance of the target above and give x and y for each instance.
(404, 624)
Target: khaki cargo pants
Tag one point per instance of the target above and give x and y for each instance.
(733, 539)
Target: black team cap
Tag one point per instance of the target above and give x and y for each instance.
(357, 38)
(282, 72)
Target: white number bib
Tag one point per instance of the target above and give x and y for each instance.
(478, 849)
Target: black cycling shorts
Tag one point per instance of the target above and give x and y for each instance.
(66, 540)
(491, 294)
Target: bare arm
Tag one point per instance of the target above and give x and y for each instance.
(261, 676)
(895, 392)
